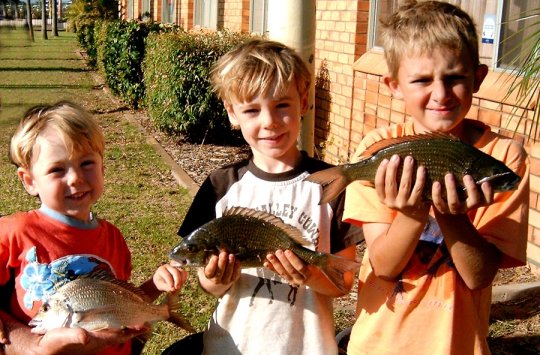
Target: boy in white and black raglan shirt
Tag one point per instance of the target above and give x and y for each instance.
(285, 307)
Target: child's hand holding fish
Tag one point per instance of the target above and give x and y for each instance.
(404, 193)
(289, 266)
(477, 195)
(220, 273)
(169, 278)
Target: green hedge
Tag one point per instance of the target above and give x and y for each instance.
(165, 69)
(179, 97)
(121, 52)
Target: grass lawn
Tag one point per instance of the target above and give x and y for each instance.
(141, 197)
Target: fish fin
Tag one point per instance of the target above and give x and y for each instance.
(332, 180)
(385, 143)
(293, 232)
(106, 276)
(335, 267)
(175, 317)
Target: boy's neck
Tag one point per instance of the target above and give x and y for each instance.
(70, 221)
(277, 165)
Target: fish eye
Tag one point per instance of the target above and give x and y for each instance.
(191, 248)
(45, 307)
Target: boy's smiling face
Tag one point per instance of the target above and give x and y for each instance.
(437, 88)
(271, 125)
(67, 183)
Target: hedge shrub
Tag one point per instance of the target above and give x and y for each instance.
(179, 97)
(120, 54)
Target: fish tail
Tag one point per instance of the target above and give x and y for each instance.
(333, 181)
(175, 317)
(335, 267)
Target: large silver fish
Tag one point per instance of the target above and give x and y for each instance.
(98, 301)
(439, 153)
(250, 235)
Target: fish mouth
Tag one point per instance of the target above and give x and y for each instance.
(181, 261)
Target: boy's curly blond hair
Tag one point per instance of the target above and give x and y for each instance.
(420, 27)
(259, 67)
(76, 127)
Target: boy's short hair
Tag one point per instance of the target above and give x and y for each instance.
(259, 67)
(423, 26)
(75, 126)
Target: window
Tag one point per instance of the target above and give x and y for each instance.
(167, 11)
(129, 10)
(146, 9)
(519, 21)
(379, 9)
(258, 19)
(206, 13)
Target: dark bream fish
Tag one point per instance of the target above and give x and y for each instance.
(250, 235)
(98, 301)
(439, 153)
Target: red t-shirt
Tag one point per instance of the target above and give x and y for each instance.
(38, 252)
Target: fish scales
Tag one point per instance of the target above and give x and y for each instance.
(439, 153)
(250, 235)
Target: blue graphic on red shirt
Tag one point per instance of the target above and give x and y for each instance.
(41, 280)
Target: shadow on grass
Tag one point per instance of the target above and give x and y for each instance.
(522, 345)
(41, 69)
(48, 86)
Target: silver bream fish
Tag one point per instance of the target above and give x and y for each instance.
(250, 235)
(98, 301)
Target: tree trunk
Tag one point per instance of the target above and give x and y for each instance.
(29, 20)
(44, 19)
(54, 17)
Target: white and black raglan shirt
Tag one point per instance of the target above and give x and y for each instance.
(261, 313)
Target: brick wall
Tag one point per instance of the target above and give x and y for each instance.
(231, 15)
(184, 13)
(340, 39)
(533, 250)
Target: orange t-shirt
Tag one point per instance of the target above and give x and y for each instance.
(430, 310)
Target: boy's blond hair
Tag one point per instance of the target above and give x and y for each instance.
(76, 127)
(421, 27)
(259, 67)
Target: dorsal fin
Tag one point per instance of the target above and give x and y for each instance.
(104, 275)
(385, 143)
(293, 232)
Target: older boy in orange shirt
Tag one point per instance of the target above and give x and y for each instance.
(425, 281)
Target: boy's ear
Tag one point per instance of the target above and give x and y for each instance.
(479, 76)
(393, 85)
(230, 113)
(28, 182)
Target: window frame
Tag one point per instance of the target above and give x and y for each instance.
(496, 50)
(264, 19)
(205, 16)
